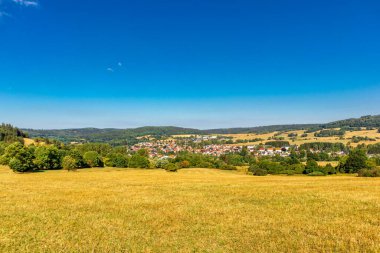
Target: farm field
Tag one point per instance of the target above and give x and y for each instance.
(194, 210)
(310, 137)
(374, 134)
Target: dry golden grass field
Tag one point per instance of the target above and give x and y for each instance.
(194, 210)
(310, 137)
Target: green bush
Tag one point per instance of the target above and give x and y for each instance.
(93, 159)
(311, 166)
(79, 160)
(117, 160)
(138, 161)
(227, 167)
(171, 167)
(288, 172)
(328, 169)
(356, 160)
(18, 157)
(369, 172)
(259, 172)
(47, 158)
(69, 163)
(161, 163)
(316, 174)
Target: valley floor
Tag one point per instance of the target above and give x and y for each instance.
(194, 210)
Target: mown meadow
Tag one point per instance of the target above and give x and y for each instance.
(193, 210)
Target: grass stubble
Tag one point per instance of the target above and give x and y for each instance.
(194, 210)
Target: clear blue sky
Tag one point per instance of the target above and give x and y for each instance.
(191, 63)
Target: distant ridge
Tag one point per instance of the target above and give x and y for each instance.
(128, 136)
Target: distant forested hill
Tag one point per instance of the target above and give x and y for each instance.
(365, 121)
(110, 135)
(128, 136)
(261, 129)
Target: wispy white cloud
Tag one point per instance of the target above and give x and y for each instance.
(26, 3)
(120, 64)
(4, 14)
(110, 70)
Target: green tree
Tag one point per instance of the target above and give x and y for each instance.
(356, 160)
(143, 152)
(93, 159)
(257, 170)
(47, 157)
(138, 161)
(79, 160)
(171, 167)
(18, 157)
(10, 151)
(311, 166)
(69, 163)
(117, 160)
(161, 163)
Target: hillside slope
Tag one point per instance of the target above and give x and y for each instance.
(128, 136)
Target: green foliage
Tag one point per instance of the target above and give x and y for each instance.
(102, 149)
(329, 133)
(233, 159)
(364, 121)
(328, 169)
(47, 158)
(311, 166)
(288, 172)
(297, 168)
(375, 172)
(356, 160)
(323, 146)
(374, 149)
(138, 161)
(93, 159)
(257, 170)
(316, 174)
(277, 144)
(171, 167)
(198, 160)
(79, 160)
(117, 160)
(18, 157)
(356, 139)
(10, 134)
(143, 152)
(69, 163)
(9, 152)
(160, 163)
(270, 166)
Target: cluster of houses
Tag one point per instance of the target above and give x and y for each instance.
(161, 148)
(217, 149)
(170, 147)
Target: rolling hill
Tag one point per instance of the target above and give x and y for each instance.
(128, 136)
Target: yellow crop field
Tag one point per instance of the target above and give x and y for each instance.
(194, 210)
(310, 137)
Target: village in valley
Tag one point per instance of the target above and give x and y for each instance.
(213, 145)
(280, 143)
